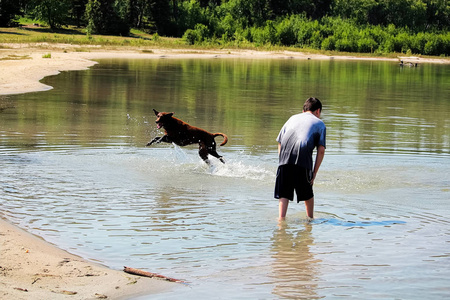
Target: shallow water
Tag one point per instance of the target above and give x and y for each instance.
(74, 170)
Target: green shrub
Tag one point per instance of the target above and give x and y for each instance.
(329, 43)
(197, 35)
(239, 36)
(257, 36)
(402, 42)
(328, 33)
(270, 33)
(316, 39)
(388, 46)
(437, 45)
(366, 45)
(227, 27)
(346, 45)
(203, 32)
(418, 42)
(190, 36)
(286, 33)
(306, 31)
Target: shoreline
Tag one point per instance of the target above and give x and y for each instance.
(24, 65)
(31, 268)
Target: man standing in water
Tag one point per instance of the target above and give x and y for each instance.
(296, 141)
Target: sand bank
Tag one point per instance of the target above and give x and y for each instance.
(23, 66)
(30, 268)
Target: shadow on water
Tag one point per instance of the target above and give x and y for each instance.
(337, 222)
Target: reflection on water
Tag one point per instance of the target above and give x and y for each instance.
(294, 268)
(74, 169)
(370, 107)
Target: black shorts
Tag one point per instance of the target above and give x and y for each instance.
(293, 177)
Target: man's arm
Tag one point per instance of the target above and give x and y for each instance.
(279, 149)
(319, 158)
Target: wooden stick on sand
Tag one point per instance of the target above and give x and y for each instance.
(149, 274)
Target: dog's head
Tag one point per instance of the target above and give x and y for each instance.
(162, 118)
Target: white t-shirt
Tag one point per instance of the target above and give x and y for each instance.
(298, 137)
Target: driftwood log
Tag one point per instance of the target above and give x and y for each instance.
(149, 274)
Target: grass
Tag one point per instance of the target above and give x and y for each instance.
(15, 57)
(29, 33)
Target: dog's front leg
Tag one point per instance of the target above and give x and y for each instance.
(159, 139)
(155, 140)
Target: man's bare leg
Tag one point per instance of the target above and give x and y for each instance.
(309, 205)
(283, 204)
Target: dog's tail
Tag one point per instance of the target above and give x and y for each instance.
(225, 138)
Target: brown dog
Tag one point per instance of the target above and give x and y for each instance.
(182, 134)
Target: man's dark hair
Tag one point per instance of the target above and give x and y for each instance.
(312, 104)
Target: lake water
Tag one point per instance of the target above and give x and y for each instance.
(74, 170)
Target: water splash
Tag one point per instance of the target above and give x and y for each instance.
(233, 168)
(239, 169)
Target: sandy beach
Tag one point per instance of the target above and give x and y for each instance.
(31, 268)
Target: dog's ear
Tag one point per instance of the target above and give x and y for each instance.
(156, 112)
(170, 114)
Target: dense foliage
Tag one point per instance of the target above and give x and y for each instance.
(8, 10)
(107, 17)
(53, 12)
(414, 26)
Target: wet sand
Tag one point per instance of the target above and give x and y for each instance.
(31, 268)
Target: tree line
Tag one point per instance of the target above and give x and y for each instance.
(415, 26)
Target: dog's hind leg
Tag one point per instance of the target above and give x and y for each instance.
(214, 153)
(203, 152)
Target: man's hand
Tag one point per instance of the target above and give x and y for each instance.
(312, 179)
